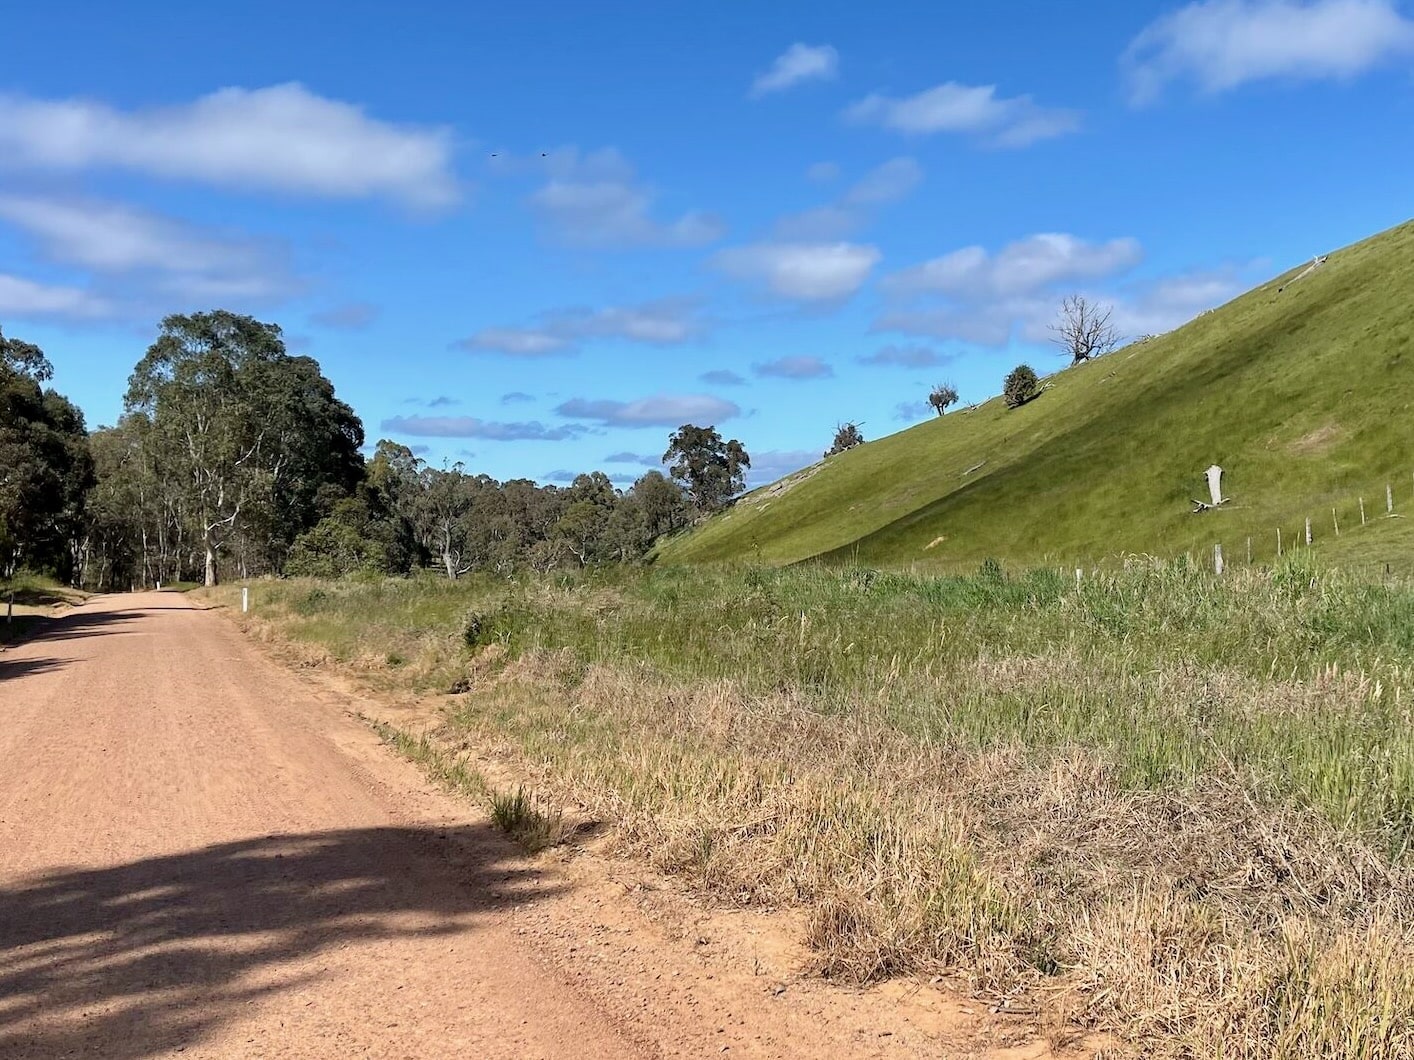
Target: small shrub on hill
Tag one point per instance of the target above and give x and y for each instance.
(1020, 386)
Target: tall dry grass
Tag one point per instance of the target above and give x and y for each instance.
(1175, 808)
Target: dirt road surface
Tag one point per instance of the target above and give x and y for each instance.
(200, 855)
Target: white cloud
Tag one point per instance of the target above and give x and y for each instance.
(888, 183)
(722, 377)
(473, 427)
(773, 464)
(1175, 300)
(517, 342)
(156, 257)
(642, 459)
(912, 411)
(823, 172)
(283, 138)
(984, 298)
(166, 255)
(906, 357)
(794, 368)
(594, 200)
(1221, 44)
(351, 316)
(661, 410)
(973, 296)
(1022, 267)
(20, 297)
(798, 63)
(664, 322)
(805, 272)
(974, 109)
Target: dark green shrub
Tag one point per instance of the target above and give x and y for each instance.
(1020, 386)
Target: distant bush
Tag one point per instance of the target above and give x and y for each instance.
(333, 549)
(847, 436)
(1020, 386)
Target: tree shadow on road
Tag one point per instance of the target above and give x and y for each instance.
(76, 625)
(154, 956)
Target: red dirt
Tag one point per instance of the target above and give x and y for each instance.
(203, 854)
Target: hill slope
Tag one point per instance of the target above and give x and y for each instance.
(1303, 396)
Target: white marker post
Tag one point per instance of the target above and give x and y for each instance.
(1217, 559)
(1215, 484)
(245, 600)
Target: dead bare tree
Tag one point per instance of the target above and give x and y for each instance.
(1084, 329)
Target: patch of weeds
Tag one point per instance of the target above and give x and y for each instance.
(447, 769)
(312, 602)
(496, 626)
(518, 814)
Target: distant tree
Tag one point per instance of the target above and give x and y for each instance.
(710, 469)
(847, 436)
(1020, 386)
(1084, 329)
(445, 496)
(584, 526)
(662, 501)
(942, 397)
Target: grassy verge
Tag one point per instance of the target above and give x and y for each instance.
(26, 601)
(1179, 808)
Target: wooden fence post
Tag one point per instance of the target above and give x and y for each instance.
(1249, 552)
(1389, 499)
(1217, 559)
(1336, 520)
(1278, 541)
(1362, 511)
(1308, 531)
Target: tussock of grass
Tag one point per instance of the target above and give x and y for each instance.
(1180, 808)
(520, 816)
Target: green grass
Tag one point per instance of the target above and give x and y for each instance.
(35, 590)
(1304, 397)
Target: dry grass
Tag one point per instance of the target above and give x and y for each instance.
(1169, 808)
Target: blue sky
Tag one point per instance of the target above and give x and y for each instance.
(536, 237)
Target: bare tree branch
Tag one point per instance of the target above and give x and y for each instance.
(1084, 329)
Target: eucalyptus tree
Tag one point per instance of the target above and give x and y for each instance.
(256, 439)
(711, 469)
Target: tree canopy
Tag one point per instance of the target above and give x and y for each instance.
(711, 470)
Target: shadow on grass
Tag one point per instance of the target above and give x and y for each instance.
(38, 596)
(155, 955)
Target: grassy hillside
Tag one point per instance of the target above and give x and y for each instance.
(1303, 396)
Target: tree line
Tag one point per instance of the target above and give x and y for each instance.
(235, 458)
